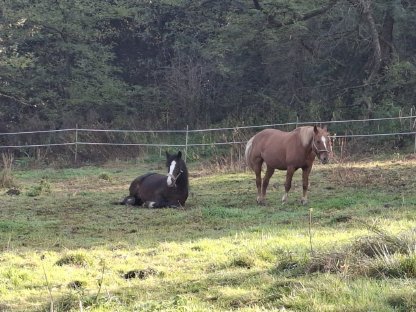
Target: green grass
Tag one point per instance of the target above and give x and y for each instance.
(63, 237)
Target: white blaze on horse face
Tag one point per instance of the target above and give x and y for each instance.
(324, 141)
(170, 175)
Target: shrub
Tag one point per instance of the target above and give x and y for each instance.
(36, 190)
(104, 176)
(243, 261)
(73, 259)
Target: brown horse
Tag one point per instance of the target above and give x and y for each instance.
(157, 190)
(286, 151)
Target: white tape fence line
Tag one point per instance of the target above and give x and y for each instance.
(297, 123)
(77, 131)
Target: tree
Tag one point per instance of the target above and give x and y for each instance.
(54, 65)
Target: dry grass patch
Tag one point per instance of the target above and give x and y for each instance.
(374, 174)
(6, 177)
(380, 255)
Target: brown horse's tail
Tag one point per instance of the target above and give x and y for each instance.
(247, 154)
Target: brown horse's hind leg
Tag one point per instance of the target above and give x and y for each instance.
(257, 171)
(266, 179)
(288, 184)
(305, 183)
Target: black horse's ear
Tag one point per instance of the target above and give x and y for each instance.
(179, 154)
(167, 154)
(315, 129)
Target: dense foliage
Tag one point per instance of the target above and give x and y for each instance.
(172, 63)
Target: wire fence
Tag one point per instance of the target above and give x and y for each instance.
(84, 142)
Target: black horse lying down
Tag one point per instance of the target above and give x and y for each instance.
(155, 190)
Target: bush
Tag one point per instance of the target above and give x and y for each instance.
(77, 259)
(36, 190)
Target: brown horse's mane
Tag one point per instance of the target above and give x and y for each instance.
(306, 135)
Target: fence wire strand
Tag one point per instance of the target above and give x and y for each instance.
(78, 130)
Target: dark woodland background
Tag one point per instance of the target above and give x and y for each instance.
(165, 64)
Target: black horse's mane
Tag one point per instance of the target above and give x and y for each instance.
(184, 176)
(141, 178)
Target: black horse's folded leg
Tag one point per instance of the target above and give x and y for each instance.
(155, 204)
(174, 204)
(129, 200)
(162, 204)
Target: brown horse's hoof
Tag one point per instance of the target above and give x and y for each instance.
(261, 202)
(304, 201)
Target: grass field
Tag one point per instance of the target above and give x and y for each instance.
(65, 246)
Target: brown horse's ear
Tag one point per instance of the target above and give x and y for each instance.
(325, 128)
(315, 129)
(179, 154)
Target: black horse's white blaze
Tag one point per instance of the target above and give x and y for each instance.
(171, 178)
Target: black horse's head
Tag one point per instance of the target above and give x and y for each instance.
(176, 169)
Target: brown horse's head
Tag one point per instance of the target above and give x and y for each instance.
(321, 144)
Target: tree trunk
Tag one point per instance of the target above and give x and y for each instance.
(368, 14)
(386, 38)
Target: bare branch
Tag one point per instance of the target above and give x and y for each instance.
(13, 98)
(299, 17)
(257, 5)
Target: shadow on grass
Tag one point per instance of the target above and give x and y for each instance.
(78, 212)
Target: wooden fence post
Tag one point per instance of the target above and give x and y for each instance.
(186, 142)
(76, 143)
(414, 128)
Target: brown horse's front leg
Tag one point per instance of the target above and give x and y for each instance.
(305, 183)
(288, 184)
